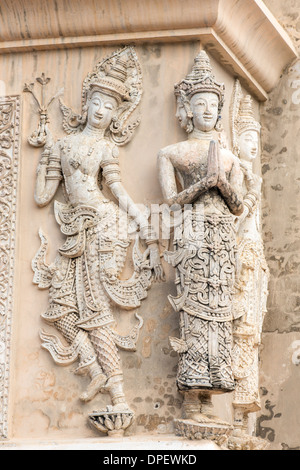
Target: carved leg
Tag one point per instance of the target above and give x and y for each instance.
(198, 421)
(110, 362)
(87, 359)
(114, 387)
(98, 380)
(191, 405)
(240, 439)
(116, 418)
(198, 406)
(240, 421)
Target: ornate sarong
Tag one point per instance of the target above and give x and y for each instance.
(204, 259)
(84, 283)
(249, 309)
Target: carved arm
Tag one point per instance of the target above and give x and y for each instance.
(231, 190)
(187, 196)
(253, 183)
(111, 173)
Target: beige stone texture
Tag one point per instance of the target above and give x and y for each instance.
(43, 398)
(280, 417)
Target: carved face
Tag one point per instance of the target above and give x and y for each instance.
(101, 109)
(204, 107)
(248, 144)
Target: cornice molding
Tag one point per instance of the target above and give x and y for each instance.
(242, 35)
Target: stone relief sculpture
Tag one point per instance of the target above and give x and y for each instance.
(84, 281)
(204, 181)
(10, 137)
(251, 287)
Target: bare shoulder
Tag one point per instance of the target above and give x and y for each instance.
(173, 151)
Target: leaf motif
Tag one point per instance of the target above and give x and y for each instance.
(109, 424)
(118, 422)
(28, 87)
(43, 80)
(99, 426)
(126, 420)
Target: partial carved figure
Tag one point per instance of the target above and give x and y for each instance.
(204, 182)
(84, 280)
(251, 288)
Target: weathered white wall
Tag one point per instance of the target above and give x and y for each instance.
(280, 418)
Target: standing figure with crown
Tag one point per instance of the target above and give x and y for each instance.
(204, 181)
(84, 280)
(251, 287)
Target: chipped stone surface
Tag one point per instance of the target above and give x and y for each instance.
(280, 118)
(43, 398)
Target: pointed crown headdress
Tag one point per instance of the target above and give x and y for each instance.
(120, 76)
(200, 79)
(242, 115)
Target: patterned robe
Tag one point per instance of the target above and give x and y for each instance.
(204, 258)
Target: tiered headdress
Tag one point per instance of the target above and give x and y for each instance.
(120, 76)
(242, 115)
(200, 79)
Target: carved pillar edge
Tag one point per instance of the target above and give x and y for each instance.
(9, 164)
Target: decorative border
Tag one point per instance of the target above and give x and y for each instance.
(10, 107)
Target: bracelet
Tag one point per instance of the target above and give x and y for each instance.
(250, 207)
(53, 177)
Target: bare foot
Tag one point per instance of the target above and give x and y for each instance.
(94, 387)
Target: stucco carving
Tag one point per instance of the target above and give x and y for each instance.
(204, 180)
(84, 281)
(39, 136)
(9, 163)
(251, 287)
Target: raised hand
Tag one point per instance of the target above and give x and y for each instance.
(212, 164)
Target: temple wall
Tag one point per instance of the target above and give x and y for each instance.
(43, 398)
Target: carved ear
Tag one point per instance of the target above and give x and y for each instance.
(72, 122)
(187, 107)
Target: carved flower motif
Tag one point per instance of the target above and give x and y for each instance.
(75, 162)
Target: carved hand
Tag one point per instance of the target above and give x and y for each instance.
(240, 220)
(212, 164)
(227, 190)
(155, 263)
(222, 174)
(209, 181)
(256, 184)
